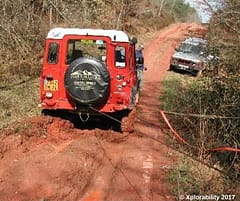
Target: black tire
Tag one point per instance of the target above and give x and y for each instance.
(197, 73)
(171, 68)
(87, 82)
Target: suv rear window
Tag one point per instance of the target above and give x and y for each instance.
(53, 53)
(85, 48)
(190, 48)
(120, 57)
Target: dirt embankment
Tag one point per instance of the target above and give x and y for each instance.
(45, 158)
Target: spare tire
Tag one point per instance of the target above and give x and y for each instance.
(87, 82)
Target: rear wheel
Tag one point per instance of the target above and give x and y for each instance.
(127, 123)
(197, 73)
(171, 68)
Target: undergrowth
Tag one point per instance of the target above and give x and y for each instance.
(19, 102)
(203, 111)
(190, 177)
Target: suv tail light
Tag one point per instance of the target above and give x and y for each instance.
(49, 95)
(124, 84)
(119, 77)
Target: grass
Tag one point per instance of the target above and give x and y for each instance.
(183, 180)
(18, 102)
(191, 177)
(173, 86)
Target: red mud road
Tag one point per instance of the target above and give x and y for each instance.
(45, 158)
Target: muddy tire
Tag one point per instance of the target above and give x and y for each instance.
(127, 123)
(197, 73)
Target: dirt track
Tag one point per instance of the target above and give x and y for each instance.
(46, 158)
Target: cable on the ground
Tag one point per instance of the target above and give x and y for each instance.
(121, 171)
(106, 115)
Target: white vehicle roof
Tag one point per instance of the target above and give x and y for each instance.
(195, 41)
(115, 35)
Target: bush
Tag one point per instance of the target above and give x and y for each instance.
(216, 123)
(215, 98)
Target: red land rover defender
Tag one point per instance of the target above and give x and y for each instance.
(89, 72)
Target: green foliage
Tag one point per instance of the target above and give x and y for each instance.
(217, 123)
(183, 180)
(182, 11)
(190, 177)
(170, 90)
(224, 38)
(224, 74)
(176, 9)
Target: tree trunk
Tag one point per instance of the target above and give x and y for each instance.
(160, 7)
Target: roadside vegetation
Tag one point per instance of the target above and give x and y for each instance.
(189, 177)
(207, 108)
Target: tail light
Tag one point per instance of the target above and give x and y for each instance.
(124, 84)
(49, 95)
(119, 77)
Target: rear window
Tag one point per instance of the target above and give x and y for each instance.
(85, 48)
(190, 48)
(120, 57)
(53, 53)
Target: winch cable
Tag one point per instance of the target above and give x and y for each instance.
(179, 138)
(106, 115)
(10, 86)
(183, 141)
(118, 168)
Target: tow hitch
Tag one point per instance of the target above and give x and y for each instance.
(84, 117)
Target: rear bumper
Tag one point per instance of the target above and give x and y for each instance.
(47, 104)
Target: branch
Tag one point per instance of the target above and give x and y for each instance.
(60, 13)
(209, 6)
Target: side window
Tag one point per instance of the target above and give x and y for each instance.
(53, 53)
(120, 57)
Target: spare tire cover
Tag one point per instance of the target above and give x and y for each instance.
(87, 81)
